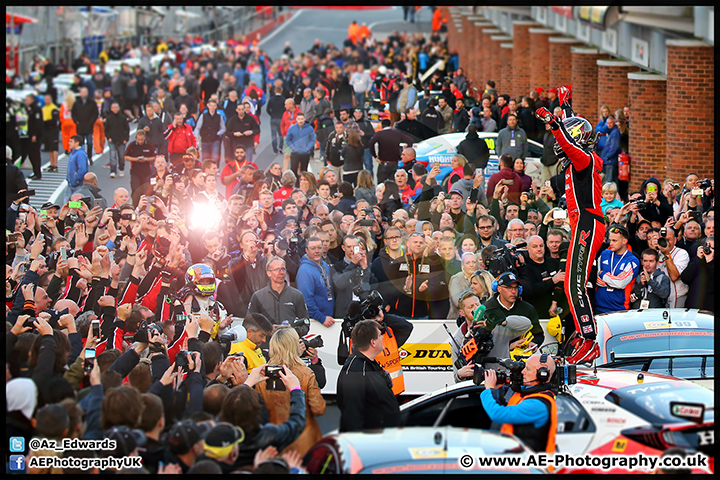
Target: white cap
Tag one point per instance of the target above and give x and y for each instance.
(8, 153)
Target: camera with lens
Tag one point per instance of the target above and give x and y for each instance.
(176, 178)
(662, 241)
(531, 196)
(505, 259)
(511, 373)
(226, 340)
(274, 382)
(145, 331)
(704, 184)
(182, 361)
(302, 327)
(367, 309)
(707, 250)
(641, 204)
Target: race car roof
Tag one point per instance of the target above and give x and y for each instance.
(633, 320)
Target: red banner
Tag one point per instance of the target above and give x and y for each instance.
(564, 11)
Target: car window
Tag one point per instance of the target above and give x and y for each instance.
(572, 417)
(322, 459)
(534, 150)
(466, 411)
(651, 401)
(425, 414)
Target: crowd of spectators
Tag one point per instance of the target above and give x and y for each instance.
(168, 267)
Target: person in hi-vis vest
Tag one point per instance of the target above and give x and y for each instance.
(395, 332)
(531, 413)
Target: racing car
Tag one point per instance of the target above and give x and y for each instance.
(607, 412)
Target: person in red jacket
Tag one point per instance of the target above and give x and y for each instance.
(506, 176)
(180, 137)
(288, 119)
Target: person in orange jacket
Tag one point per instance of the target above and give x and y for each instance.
(353, 31)
(68, 128)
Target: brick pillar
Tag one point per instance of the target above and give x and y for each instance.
(464, 46)
(506, 67)
(560, 60)
(539, 58)
(690, 108)
(585, 80)
(648, 114)
(479, 54)
(490, 70)
(521, 54)
(497, 61)
(613, 84)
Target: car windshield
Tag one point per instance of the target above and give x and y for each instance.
(651, 401)
(658, 343)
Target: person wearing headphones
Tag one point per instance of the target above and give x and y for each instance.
(531, 412)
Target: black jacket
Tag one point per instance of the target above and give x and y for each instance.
(276, 106)
(416, 129)
(84, 115)
(117, 128)
(367, 128)
(432, 119)
(353, 157)
(365, 396)
(653, 211)
(700, 277)
(536, 290)
(334, 148)
(35, 122)
(461, 120)
(14, 181)
(384, 145)
(279, 436)
(475, 149)
(237, 124)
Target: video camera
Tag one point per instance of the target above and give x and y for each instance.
(367, 308)
(704, 184)
(512, 373)
(505, 259)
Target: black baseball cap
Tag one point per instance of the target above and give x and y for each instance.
(220, 441)
(126, 440)
(48, 205)
(455, 192)
(183, 435)
(507, 279)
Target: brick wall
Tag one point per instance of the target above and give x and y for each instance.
(521, 56)
(560, 61)
(648, 127)
(585, 80)
(479, 55)
(613, 84)
(539, 58)
(690, 108)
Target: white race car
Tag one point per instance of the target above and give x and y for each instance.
(607, 412)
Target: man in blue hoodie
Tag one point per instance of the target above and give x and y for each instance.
(313, 280)
(301, 140)
(77, 166)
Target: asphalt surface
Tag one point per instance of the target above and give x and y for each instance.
(301, 30)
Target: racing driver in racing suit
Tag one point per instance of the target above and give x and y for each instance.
(583, 191)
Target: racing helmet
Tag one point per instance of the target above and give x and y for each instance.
(580, 130)
(202, 279)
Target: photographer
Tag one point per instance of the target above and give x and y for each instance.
(700, 276)
(673, 261)
(656, 205)
(278, 301)
(540, 277)
(652, 287)
(350, 273)
(364, 390)
(531, 412)
(248, 270)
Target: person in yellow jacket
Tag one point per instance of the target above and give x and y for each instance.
(258, 329)
(51, 126)
(530, 413)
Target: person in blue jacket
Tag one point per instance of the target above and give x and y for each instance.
(301, 140)
(77, 166)
(610, 151)
(314, 281)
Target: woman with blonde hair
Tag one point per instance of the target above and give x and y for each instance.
(285, 350)
(67, 125)
(365, 189)
(458, 164)
(481, 284)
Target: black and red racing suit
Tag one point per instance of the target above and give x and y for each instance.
(583, 192)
